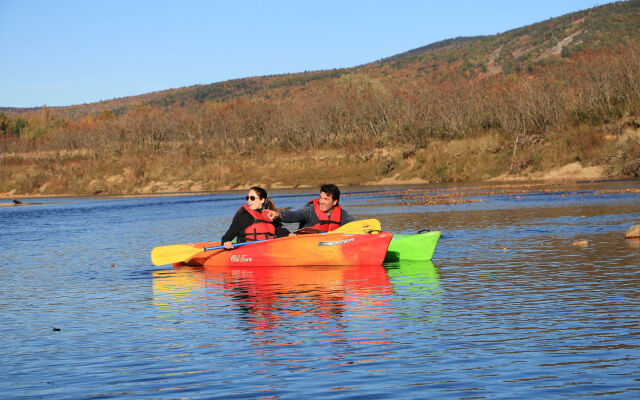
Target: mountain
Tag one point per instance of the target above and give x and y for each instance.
(559, 91)
(522, 49)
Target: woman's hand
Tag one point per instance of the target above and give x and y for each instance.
(228, 245)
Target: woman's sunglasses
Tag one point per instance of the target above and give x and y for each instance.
(253, 198)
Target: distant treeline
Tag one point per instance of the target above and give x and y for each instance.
(356, 111)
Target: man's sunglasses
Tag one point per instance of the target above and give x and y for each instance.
(253, 198)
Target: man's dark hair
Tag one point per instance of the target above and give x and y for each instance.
(330, 188)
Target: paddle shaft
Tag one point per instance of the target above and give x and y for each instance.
(340, 229)
(346, 228)
(234, 245)
(362, 226)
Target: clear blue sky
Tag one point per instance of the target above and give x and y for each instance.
(64, 52)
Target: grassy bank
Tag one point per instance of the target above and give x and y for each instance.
(615, 152)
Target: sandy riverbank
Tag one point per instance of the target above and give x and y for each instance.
(569, 173)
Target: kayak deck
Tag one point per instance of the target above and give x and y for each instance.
(417, 247)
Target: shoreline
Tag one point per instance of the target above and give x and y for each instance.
(513, 182)
(573, 172)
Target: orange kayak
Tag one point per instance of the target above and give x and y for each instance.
(303, 250)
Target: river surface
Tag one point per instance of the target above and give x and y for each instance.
(509, 307)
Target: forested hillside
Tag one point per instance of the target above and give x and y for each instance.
(534, 98)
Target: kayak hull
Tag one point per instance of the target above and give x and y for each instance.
(304, 250)
(418, 247)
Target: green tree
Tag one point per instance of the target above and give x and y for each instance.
(18, 125)
(5, 123)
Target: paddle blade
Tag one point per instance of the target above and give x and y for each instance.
(362, 226)
(172, 254)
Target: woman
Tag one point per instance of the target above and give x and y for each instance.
(251, 221)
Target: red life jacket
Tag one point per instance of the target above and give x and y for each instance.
(262, 227)
(326, 223)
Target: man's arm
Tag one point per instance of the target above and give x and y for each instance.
(302, 215)
(345, 217)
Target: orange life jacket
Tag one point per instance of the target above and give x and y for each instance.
(326, 223)
(262, 227)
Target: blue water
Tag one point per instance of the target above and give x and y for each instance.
(509, 307)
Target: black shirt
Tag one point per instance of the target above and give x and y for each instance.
(242, 220)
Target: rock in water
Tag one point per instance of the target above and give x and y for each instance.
(633, 232)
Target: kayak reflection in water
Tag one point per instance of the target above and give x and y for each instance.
(251, 221)
(323, 213)
(275, 300)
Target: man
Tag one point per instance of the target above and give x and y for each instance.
(323, 213)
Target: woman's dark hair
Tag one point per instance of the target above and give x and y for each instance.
(330, 188)
(262, 194)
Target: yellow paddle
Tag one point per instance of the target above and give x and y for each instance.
(163, 255)
(174, 253)
(362, 226)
